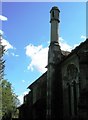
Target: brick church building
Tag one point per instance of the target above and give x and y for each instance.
(61, 93)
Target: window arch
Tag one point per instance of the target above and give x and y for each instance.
(72, 72)
(73, 88)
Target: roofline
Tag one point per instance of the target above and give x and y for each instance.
(71, 53)
(30, 86)
(76, 49)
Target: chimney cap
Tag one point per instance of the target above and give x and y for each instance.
(54, 8)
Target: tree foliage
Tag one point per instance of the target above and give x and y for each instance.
(2, 50)
(9, 100)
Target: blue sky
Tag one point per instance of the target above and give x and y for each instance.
(26, 32)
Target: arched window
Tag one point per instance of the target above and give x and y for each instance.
(73, 88)
(72, 72)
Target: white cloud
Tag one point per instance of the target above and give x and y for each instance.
(23, 81)
(6, 44)
(3, 18)
(1, 32)
(38, 56)
(83, 37)
(15, 55)
(12, 54)
(21, 97)
(64, 45)
(67, 47)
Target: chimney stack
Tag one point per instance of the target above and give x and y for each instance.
(53, 73)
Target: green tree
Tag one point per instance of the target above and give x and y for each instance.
(2, 51)
(9, 100)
